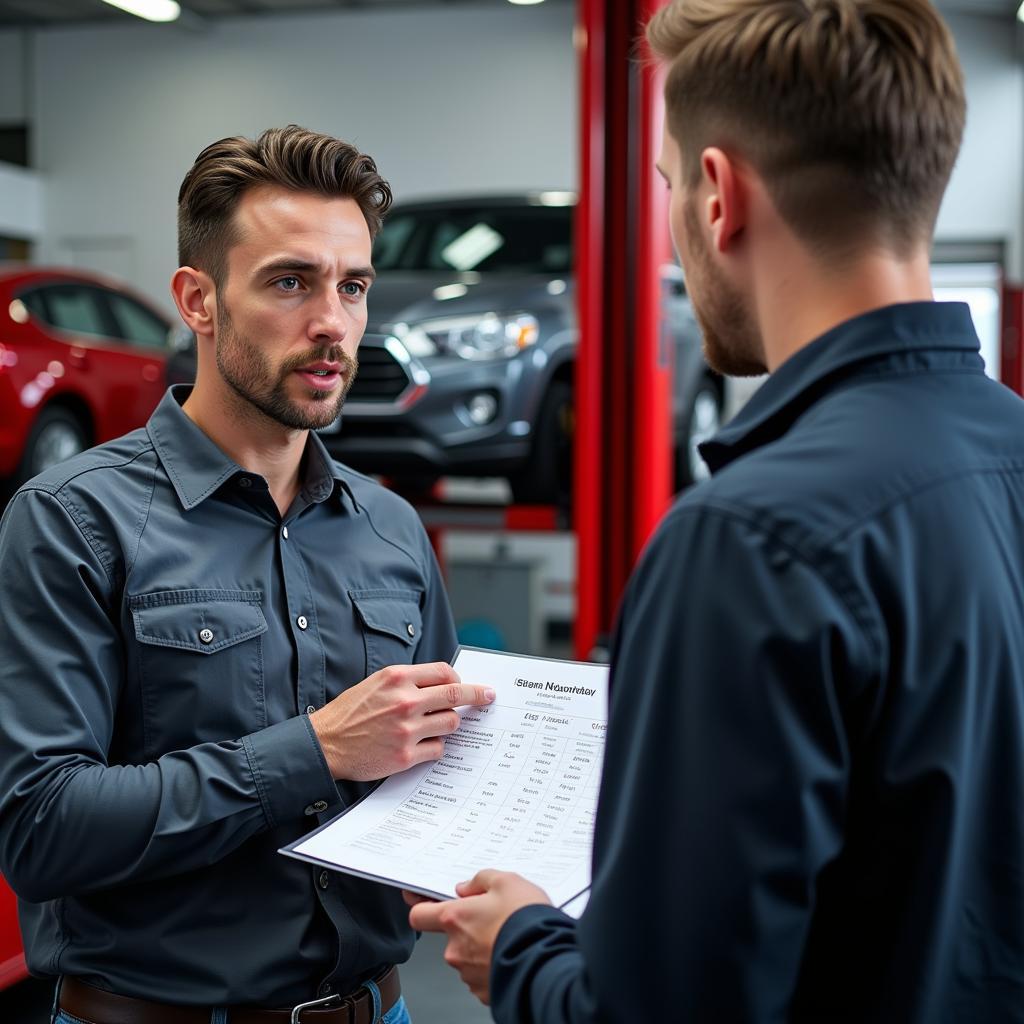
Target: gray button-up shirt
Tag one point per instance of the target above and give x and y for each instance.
(164, 633)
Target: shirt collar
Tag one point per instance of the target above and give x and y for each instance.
(197, 467)
(803, 378)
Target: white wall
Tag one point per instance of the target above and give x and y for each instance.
(985, 200)
(471, 98)
(467, 99)
(21, 203)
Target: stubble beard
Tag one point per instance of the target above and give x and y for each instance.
(264, 391)
(732, 340)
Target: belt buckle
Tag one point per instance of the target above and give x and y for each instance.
(300, 1008)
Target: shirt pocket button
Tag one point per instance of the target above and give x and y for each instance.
(206, 636)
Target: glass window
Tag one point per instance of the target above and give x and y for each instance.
(525, 239)
(137, 324)
(36, 305)
(75, 308)
(392, 240)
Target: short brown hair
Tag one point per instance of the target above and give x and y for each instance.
(292, 157)
(852, 111)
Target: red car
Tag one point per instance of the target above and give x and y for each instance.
(82, 360)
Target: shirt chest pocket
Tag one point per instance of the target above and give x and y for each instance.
(391, 623)
(199, 658)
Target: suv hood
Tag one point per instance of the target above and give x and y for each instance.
(412, 297)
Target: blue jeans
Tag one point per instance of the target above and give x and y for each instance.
(398, 1014)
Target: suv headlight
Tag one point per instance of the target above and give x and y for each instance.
(484, 336)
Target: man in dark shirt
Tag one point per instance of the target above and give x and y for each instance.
(207, 622)
(812, 806)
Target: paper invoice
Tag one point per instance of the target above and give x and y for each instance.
(516, 788)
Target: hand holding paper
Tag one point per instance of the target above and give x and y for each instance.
(472, 922)
(392, 720)
(515, 789)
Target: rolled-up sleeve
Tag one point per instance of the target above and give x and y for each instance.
(724, 789)
(61, 674)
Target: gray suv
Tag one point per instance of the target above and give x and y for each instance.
(467, 365)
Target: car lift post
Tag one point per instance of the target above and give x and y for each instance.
(623, 438)
(1012, 369)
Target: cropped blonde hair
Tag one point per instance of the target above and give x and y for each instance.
(852, 111)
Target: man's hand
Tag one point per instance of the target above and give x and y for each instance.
(472, 923)
(392, 720)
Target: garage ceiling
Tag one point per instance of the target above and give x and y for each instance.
(53, 13)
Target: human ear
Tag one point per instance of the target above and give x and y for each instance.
(726, 206)
(196, 298)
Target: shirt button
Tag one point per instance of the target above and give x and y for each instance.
(316, 808)
(324, 880)
(410, 629)
(310, 708)
(206, 636)
(244, 481)
(325, 989)
(302, 622)
(284, 532)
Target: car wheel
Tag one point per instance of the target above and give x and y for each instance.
(56, 435)
(701, 424)
(547, 477)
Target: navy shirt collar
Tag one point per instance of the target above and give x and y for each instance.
(872, 339)
(197, 467)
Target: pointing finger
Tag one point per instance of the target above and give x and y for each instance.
(456, 695)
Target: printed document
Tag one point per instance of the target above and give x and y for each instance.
(516, 788)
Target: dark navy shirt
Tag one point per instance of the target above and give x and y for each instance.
(164, 634)
(812, 807)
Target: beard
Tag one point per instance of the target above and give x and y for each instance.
(732, 341)
(264, 389)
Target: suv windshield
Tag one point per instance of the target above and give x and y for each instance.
(525, 239)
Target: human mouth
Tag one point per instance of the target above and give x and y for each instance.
(321, 376)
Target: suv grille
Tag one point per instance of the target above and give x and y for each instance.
(381, 377)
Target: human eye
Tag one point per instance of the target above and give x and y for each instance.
(290, 283)
(354, 289)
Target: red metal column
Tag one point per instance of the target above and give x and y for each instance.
(623, 425)
(588, 504)
(1012, 370)
(652, 345)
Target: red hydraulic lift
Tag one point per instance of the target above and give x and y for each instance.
(623, 456)
(1012, 370)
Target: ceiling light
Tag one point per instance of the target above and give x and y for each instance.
(151, 10)
(1020, 12)
(525, 3)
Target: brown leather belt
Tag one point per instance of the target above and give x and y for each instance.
(96, 1006)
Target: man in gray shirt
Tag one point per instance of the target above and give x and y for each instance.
(214, 637)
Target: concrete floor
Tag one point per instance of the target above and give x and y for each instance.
(432, 990)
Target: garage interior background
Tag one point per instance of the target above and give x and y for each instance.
(449, 97)
(100, 119)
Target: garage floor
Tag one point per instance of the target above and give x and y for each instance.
(433, 991)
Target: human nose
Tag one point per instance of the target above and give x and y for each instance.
(329, 321)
